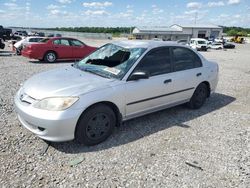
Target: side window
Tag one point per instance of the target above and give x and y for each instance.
(65, 42)
(76, 43)
(185, 59)
(61, 42)
(37, 39)
(156, 62)
(57, 42)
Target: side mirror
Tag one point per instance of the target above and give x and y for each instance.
(139, 75)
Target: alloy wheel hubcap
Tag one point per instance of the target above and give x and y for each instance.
(98, 126)
(51, 57)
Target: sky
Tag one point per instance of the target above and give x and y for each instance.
(123, 13)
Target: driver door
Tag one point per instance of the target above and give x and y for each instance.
(146, 94)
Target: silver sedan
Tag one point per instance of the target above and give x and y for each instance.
(117, 82)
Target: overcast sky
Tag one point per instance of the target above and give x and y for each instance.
(112, 13)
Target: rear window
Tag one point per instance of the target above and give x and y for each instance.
(34, 39)
(44, 40)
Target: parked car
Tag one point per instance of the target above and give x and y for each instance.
(119, 81)
(51, 49)
(199, 44)
(218, 40)
(54, 35)
(40, 34)
(2, 45)
(21, 33)
(215, 45)
(5, 33)
(20, 45)
(228, 45)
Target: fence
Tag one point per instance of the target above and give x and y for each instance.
(73, 34)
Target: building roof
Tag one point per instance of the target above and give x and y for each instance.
(198, 26)
(144, 43)
(157, 29)
(173, 29)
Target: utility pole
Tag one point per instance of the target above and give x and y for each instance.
(195, 19)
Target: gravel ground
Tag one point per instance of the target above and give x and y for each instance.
(176, 147)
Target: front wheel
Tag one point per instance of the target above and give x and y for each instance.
(95, 125)
(50, 57)
(199, 97)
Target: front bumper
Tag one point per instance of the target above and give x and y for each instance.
(202, 48)
(55, 126)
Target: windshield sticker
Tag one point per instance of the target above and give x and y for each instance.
(112, 70)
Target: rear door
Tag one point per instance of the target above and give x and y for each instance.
(187, 73)
(62, 48)
(146, 94)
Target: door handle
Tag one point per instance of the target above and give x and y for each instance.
(167, 81)
(198, 74)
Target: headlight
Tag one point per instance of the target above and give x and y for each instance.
(55, 103)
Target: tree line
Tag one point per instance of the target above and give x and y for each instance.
(232, 31)
(112, 30)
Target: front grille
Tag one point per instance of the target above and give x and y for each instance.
(203, 47)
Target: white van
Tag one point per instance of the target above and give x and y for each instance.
(199, 44)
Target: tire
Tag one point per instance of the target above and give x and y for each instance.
(50, 57)
(95, 125)
(18, 52)
(199, 97)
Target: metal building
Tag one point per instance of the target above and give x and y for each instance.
(177, 32)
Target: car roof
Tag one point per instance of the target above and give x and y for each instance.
(61, 38)
(31, 37)
(144, 44)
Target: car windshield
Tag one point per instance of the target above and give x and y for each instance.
(201, 42)
(110, 61)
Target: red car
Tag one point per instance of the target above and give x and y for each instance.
(51, 49)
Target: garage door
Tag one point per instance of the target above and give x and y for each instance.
(202, 34)
(215, 34)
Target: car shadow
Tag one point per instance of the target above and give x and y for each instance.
(144, 126)
(57, 62)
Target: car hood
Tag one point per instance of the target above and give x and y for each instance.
(66, 81)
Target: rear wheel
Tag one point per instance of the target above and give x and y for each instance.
(199, 96)
(95, 125)
(50, 57)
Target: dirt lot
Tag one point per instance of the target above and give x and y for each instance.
(176, 147)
